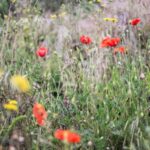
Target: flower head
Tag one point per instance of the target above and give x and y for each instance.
(85, 40)
(98, 1)
(53, 16)
(135, 21)
(62, 14)
(111, 19)
(67, 136)
(120, 49)
(20, 83)
(11, 105)
(42, 52)
(39, 113)
(109, 42)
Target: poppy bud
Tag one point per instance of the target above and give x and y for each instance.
(42, 52)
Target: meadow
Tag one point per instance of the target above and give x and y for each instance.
(75, 77)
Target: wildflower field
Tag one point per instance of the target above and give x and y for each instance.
(74, 74)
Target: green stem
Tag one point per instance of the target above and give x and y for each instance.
(66, 146)
(13, 124)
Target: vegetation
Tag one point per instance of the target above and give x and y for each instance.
(64, 69)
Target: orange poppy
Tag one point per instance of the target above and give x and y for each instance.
(39, 113)
(120, 49)
(68, 136)
(135, 21)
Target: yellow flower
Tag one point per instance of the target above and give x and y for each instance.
(111, 19)
(13, 102)
(5, 17)
(20, 83)
(98, 1)
(53, 16)
(11, 105)
(90, 2)
(1, 72)
(62, 14)
(103, 5)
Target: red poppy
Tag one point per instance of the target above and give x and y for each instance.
(85, 40)
(42, 51)
(109, 42)
(104, 42)
(114, 42)
(68, 136)
(120, 49)
(135, 21)
(39, 113)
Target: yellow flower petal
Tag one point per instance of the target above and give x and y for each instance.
(114, 20)
(20, 83)
(98, 1)
(103, 5)
(53, 16)
(62, 14)
(111, 19)
(90, 2)
(105, 19)
(13, 102)
(11, 107)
